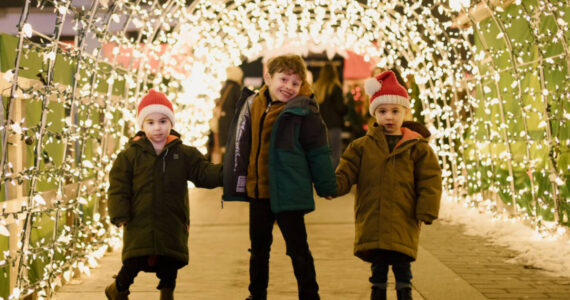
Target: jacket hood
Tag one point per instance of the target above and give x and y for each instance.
(303, 102)
(417, 127)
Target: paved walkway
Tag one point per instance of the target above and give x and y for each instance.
(450, 265)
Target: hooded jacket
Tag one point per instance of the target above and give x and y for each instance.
(150, 193)
(394, 190)
(281, 165)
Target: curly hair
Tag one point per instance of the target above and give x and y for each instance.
(289, 63)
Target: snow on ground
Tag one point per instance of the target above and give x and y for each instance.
(550, 253)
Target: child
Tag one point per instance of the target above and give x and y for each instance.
(398, 180)
(288, 153)
(148, 194)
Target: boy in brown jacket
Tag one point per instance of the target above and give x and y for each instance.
(398, 180)
(288, 156)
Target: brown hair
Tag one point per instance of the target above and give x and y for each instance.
(290, 63)
(328, 79)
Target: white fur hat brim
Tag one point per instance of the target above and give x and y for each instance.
(154, 108)
(388, 99)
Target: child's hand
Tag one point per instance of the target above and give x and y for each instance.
(329, 197)
(122, 223)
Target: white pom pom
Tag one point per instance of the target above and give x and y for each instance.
(371, 86)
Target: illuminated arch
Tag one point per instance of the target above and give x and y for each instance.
(496, 102)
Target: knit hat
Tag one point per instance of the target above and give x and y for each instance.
(154, 102)
(385, 89)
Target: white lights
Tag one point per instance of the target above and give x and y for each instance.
(27, 30)
(493, 101)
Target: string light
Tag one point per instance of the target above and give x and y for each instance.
(495, 101)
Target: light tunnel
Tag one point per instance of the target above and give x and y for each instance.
(489, 78)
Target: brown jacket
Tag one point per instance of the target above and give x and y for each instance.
(263, 115)
(394, 191)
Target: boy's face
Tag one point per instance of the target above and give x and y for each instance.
(156, 127)
(283, 86)
(391, 116)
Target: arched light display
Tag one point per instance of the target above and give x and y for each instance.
(492, 78)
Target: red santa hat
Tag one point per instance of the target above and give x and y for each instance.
(154, 102)
(385, 89)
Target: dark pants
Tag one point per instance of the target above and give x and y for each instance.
(401, 266)
(166, 270)
(335, 138)
(292, 226)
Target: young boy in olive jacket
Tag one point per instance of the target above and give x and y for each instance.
(398, 180)
(277, 149)
(148, 195)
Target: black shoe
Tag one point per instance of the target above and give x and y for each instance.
(113, 294)
(378, 294)
(250, 297)
(166, 294)
(404, 294)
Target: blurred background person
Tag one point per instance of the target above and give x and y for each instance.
(329, 95)
(224, 111)
(357, 112)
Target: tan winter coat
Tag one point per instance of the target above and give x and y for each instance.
(394, 190)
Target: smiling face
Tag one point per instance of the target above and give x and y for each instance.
(283, 86)
(391, 116)
(156, 127)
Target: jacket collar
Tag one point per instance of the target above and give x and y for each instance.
(408, 134)
(141, 140)
(300, 101)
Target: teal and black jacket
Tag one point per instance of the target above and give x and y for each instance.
(299, 155)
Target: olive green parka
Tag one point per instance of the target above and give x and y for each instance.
(150, 193)
(394, 190)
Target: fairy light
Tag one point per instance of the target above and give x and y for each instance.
(497, 105)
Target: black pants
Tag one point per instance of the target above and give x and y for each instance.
(401, 266)
(166, 270)
(292, 226)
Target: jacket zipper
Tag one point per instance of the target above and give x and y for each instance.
(393, 153)
(259, 150)
(164, 161)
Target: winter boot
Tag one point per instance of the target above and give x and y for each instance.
(250, 297)
(166, 294)
(113, 294)
(404, 293)
(378, 293)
